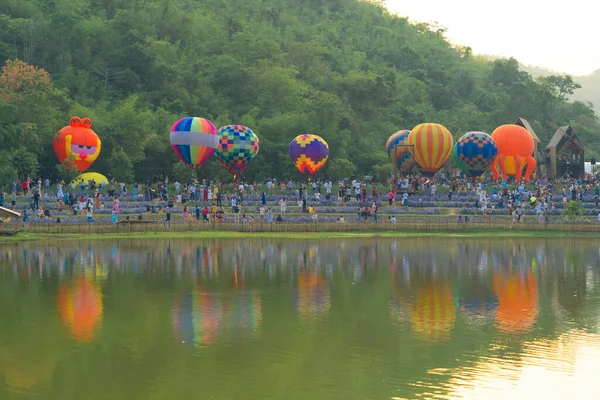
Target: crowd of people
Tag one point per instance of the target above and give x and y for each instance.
(269, 201)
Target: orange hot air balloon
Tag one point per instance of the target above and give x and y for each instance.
(432, 146)
(515, 148)
(517, 301)
(433, 312)
(77, 146)
(80, 308)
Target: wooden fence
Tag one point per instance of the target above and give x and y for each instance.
(355, 226)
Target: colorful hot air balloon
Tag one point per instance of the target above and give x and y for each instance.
(459, 163)
(194, 140)
(312, 298)
(238, 145)
(515, 148)
(399, 152)
(77, 146)
(477, 151)
(309, 153)
(432, 146)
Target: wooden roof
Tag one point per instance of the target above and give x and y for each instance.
(525, 124)
(561, 133)
(5, 212)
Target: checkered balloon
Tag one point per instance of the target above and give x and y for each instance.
(237, 146)
(477, 151)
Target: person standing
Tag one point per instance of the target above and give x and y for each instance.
(282, 206)
(168, 219)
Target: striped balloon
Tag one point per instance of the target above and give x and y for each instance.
(194, 140)
(398, 150)
(433, 312)
(432, 146)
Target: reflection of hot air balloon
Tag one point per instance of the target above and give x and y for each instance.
(237, 147)
(432, 146)
(77, 146)
(399, 151)
(433, 312)
(479, 310)
(80, 308)
(197, 317)
(194, 140)
(459, 163)
(309, 153)
(477, 151)
(312, 298)
(515, 147)
(517, 301)
(244, 314)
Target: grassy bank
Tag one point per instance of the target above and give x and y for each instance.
(473, 232)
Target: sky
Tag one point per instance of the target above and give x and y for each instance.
(561, 36)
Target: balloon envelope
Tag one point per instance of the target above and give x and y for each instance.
(194, 140)
(515, 148)
(459, 163)
(91, 176)
(238, 145)
(477, 151)
(77, 146)
(309, 153)
(399, 151)
(432, 146)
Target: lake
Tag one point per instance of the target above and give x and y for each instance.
(424, 318)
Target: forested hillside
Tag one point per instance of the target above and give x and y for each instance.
(344, 69)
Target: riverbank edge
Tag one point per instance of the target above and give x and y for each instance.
(474, 233)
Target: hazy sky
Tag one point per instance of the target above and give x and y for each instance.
(561, 36)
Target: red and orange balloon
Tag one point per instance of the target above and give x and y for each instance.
(515, 148)
(77, 146)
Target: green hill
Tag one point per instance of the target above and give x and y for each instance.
(345, 69)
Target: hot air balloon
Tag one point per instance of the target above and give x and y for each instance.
(515, 148)
(399, 151)
(91, 176)
(459, 163)
(194, 140)
(432, 146)
(477, 151)
(309, 153)
(77, 146)
(238, 145)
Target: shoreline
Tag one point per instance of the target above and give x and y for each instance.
(320, 232)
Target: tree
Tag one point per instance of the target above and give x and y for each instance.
(560, 86)
(340, 168)
(120, 166)
(573, 210)
(183, 174)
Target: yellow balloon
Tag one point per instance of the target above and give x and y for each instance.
(89, 176)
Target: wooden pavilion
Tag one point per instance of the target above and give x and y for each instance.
(564, 154)
(10, 221)
(536, 140)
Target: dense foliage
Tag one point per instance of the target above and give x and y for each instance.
(345, 69)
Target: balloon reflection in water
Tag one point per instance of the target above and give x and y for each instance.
(80, 308)
(517, 300)
(201, 317)
(312, 298)
(478, 311)
(433, 312)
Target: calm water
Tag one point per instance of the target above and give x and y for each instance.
(269, 319)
